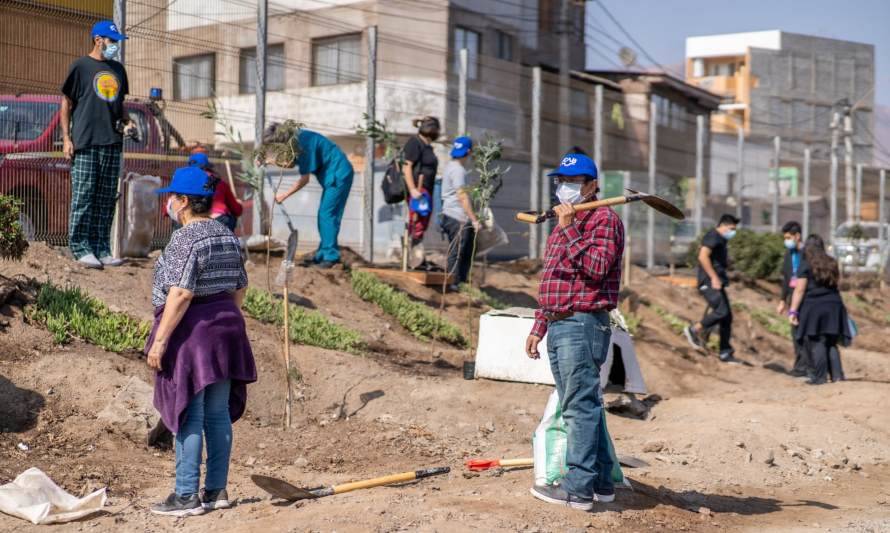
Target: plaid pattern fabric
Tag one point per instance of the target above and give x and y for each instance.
(94, 176)
(582, 267)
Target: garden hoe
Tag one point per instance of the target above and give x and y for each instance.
(478, 465)
(284, 490)
(655, 202)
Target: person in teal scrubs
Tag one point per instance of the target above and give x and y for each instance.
(318, 155)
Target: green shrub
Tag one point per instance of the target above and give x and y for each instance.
(70, 313)
(12, 240)
(416, 317)
(481, 296)
(305, 327)
(756, 255)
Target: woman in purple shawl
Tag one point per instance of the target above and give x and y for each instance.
(199, 345)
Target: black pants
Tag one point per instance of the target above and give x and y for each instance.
(461, 237)
(720, 314)
(801, 355)
(824, 358)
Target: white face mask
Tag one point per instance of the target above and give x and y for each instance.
(569, 193)
(174, 213)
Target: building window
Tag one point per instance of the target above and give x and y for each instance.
(662, 110)
(504, 45)
(193, 77)
(469, 39)
(274, 69)
(337, 60)
(721, 69)
(579, 105)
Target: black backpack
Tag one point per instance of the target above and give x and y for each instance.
(393, 185)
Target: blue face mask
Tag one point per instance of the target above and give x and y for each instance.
(109, 51)
(790, 244)
(729, 234)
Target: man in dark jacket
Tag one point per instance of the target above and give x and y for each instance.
(791, 233)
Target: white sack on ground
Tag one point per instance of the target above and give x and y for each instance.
(33, 496)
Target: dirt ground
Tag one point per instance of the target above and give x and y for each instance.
(729, 447)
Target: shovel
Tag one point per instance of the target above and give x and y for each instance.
(284, 490)
(655, 202)
(478, 465)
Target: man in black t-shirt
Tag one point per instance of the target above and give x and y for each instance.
(713, 260)
(93, 122)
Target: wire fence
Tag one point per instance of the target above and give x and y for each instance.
(201, 52)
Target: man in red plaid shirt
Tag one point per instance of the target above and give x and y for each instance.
(579, 286)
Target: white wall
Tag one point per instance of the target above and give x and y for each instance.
(732, 44)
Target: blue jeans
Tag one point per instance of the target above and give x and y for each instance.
(207, 414)
(330, 215)
(577, 347)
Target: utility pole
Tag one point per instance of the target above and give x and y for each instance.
(777, 146)
(462, 93)
(120, 20)
(598, 126)
(650, 213)
(699, 172)
(806, 192)
(832, 204)
(858, 205)
(535, 163)
(740, 170)
(262, 19)
(848, 161)
(564, 80)
(368, 179)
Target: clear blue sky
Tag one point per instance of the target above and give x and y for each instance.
(661, 26)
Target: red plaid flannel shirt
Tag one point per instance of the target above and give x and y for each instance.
(582, 268)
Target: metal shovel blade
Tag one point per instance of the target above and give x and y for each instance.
(282, 489)
(657, 203)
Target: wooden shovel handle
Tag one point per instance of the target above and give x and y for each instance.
(537, 218)
(389, 480)
(526, 461)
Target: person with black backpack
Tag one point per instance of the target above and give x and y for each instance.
(419, 170)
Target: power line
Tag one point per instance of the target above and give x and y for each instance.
(634, 41)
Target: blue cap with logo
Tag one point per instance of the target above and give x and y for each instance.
(190, 181)
(576, 165)
(461, 146)
(107, 28)
(422, 206)
(199, 160)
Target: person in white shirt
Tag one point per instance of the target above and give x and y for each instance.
(458, 219)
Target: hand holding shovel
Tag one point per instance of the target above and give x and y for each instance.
(655, 202)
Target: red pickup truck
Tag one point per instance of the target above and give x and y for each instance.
(33, 168)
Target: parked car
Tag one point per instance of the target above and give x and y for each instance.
(33, 168)
(857, 246)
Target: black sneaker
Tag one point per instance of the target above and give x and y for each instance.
(728, 357)
(215, 499)
(176, 505)
(558, 495)
(692, 337)
(604, 495)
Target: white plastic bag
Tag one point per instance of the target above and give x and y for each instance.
(33, 496)
(549, 445)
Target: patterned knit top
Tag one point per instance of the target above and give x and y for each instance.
(203, 257)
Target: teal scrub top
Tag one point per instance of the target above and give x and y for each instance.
(323, 158)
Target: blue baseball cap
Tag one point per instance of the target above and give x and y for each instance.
(107, 28)
(199, 160)
(461, 146)
(191, 181)
(576, 165)
(422, 206)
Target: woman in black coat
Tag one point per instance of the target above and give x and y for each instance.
(819, 312)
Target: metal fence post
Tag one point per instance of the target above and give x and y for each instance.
(119, 220)
(777, 146)
(650, 214)
(740, 171)
(806, 192)
(262, 18)
(368, 179)
(535, 163)
(699, 172)
(882, 232)
(598, 126)
(462, 93)
(858, 206)
(832, 204)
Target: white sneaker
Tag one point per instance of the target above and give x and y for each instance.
(90, 261)
(111, 261)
